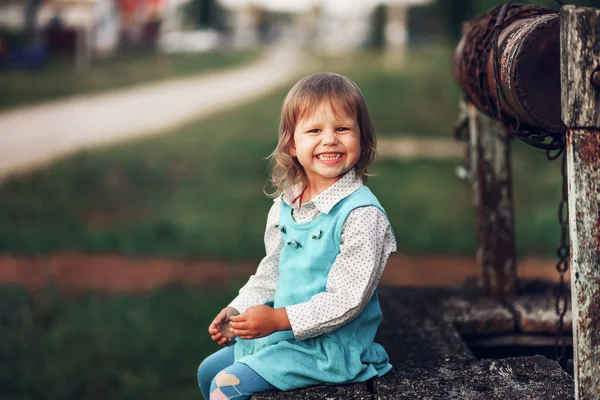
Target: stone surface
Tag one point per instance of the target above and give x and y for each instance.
(431, 361)
(357, 391)
(533, 378)
(414, 330)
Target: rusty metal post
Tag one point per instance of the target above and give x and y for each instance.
(580, 58)
(492, 195)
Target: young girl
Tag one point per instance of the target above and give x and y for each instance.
(310, 313)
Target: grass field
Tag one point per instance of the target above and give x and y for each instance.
(187, 193)
(93, 347)
(59, 79)
(197, 192)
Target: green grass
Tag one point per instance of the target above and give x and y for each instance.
(197, 191)
(417, 98)
(432, 211)
(59, 79)
(186, 193)
(92, 347)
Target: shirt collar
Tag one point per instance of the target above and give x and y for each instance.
(328, 198)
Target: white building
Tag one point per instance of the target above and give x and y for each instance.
(330, 25)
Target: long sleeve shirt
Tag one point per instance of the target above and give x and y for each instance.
(366, 244)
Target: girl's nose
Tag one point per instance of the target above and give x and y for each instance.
(329, 137)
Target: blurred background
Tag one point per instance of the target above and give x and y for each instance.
(133, 137)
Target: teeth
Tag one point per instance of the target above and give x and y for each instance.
(329, 157)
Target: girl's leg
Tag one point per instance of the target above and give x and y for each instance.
(211, 366)
(238, 382)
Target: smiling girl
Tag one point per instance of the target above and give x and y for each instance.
(309, 314)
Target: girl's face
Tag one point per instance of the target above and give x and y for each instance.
(326, 145)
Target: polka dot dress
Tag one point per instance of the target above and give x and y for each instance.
(367, 242)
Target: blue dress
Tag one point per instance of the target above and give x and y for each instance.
(348, 354)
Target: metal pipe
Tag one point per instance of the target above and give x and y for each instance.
(529, 70)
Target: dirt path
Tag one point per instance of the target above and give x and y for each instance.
(405, 146)
(32, 136)
(76, 272)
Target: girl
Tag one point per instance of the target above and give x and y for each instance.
(310, 313)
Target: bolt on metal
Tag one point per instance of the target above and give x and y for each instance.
(596, 77)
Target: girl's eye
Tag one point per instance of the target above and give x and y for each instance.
(342, 128)
(314, 130)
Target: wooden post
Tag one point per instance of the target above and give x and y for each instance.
(396, 30)
(492, 188)
(580, 57)
(82, 49)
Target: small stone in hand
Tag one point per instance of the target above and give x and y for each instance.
(225, 330)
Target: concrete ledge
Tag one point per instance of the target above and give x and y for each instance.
(533, 378)
(356, 391)
(421, 331)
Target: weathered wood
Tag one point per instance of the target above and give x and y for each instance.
(478, 315)
(356, 391)
(462, 133)
(580, 56)
(537, 314)
(583, 165)
(490, 155)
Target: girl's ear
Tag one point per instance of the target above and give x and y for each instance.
(293, 152)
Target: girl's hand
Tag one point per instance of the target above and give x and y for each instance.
(219, 329)
(259, 321)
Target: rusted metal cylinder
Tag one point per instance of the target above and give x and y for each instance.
(529, 73)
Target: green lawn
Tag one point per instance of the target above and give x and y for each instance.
(59, 79)
(419, 99)
(96, 347)
(197, 192)
(187, 193)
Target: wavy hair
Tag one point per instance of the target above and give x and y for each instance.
(345, 99)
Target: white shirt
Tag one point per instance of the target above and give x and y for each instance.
(366, 244)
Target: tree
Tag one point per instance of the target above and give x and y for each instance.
(378, 27)
(31, 10)
(205, 13)
(452, 13)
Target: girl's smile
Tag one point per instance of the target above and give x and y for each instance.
(330, 158)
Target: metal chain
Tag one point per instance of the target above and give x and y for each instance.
(481, 40)
(485, 28)
(562, 252)
(533, 136)
(540, 138)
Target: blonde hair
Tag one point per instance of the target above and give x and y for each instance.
(345, 98)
